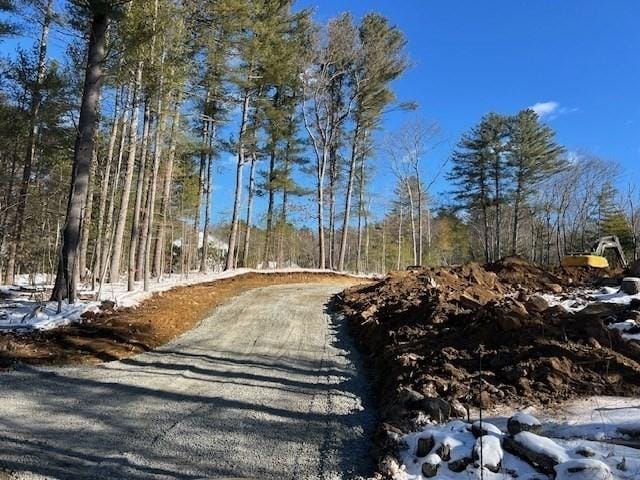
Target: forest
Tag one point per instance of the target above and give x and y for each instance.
(111, 151)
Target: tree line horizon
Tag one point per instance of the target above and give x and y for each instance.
(108, 153)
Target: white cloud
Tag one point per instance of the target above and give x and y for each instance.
(551, 110)
(545, 108)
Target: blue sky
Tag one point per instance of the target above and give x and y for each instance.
(580, 58)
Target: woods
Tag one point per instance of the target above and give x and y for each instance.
(179, 136)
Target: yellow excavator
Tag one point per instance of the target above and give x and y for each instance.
(598, 257)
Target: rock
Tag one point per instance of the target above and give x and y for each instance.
(107, 306)
(425, 445)
(554, 287)
(601, 309)
(632, 430)
(458, 465)
(431, 465)
(407, 396)
(583, 469)
(522, 422)
(485, 429)
(537, 303)
(634, 269)
(630, 285)
(540, 452)
(488, 447)
(632, 315)
(444, 451)
(436, 408)
(593, 343)
(458, 410)
(585, 451)
(486, 400)
(369, 312)
(469, 302)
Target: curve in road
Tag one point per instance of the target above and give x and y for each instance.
(267, 387)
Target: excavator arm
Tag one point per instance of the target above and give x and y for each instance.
(610, 243)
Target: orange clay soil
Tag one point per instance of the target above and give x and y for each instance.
(122, 333)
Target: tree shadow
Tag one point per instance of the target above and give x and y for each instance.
(182, 414)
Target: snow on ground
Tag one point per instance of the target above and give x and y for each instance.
(576, 459)
(25, 307)
(595, 418)
(578, 299)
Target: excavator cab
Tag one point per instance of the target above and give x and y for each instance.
(603, 251)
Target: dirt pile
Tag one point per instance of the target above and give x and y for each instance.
(441, 340)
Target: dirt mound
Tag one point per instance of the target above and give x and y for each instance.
(468, 336)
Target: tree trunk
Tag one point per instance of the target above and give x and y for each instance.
(320, 210)
(360, 217)
(233, 234)
(252, 187)
(104, 193)
(128, 181)
(413, 221)
(166, 191)
(207, 201)
(516, 217)
(270, 205)
(333, 186)
(420, 220)
(134, 272)
(151, 194)
(399, 240)
(347, 206)
(86, 224)
(34, 114)
(65, 286)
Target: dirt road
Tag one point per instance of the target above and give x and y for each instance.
(268, 387)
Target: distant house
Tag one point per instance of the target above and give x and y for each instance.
(214, 243)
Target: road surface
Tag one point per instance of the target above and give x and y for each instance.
(268, 387)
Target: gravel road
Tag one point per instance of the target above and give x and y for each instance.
(268, 387)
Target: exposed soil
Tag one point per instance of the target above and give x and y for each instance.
(442, 340)
(122, 333)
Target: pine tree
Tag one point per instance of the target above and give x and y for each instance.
(534, 156)
(98, 14)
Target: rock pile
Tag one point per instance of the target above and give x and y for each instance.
(442, 340)
(460, 448)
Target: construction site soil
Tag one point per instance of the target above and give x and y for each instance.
(114, 334)
(440, 341)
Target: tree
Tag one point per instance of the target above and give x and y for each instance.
(380, 61)
(480, 175)
(331, 63)
(534, 156)
(47, 14)
(99, 12)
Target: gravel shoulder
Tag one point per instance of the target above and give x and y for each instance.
(269, 386)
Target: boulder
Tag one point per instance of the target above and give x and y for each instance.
(459, 464)
(522, 422)
(425, 445)
(585, 451)
(481, 429)
(487, 452)
(630, 285)
(436, 408)
(537, 303)
(543, 453)
(634, 269)
(431, 465)
(554, 288)
(583, 469)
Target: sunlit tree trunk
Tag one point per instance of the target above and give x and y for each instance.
(65, 286)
